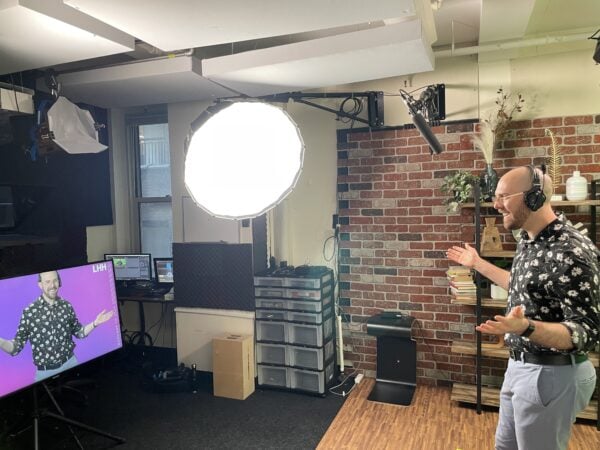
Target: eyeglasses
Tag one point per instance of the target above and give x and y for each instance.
(501, 198)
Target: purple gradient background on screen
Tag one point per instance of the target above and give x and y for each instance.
(88, 288)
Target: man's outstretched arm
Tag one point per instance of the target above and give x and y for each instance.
(7, 346)
(100, 319)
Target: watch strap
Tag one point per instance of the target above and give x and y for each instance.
(529, 330)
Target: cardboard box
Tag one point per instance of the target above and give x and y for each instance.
(233, 366)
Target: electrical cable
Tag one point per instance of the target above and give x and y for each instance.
(344, 393)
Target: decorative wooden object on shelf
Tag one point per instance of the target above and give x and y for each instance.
(490, 241)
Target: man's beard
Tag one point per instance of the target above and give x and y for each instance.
(516, 219)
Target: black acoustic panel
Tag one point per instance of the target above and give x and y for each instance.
(213, 275)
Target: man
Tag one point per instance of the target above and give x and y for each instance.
(49, 324)
(552, 315)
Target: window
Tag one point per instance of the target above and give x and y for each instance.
(149, 139)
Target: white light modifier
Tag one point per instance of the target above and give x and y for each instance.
(243, 160)
(73, 128)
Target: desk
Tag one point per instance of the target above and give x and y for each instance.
(142, 335)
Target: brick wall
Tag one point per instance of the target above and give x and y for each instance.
(395, 230)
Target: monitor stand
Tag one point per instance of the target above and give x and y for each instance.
(39, 414)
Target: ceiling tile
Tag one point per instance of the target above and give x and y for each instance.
(156, 81)
(40, 33)
(181, 24)
(382, 52)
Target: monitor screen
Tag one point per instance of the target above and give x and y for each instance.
(83, 324)
(131, 267)
(163, 268)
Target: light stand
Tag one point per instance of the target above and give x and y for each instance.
(39, 413)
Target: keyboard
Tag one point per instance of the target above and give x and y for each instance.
(142, 292)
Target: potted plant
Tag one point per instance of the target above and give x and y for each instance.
(460, 187)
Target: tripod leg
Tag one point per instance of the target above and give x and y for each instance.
(57, 406)
(70, 422)
(85, 427)
(36, 437)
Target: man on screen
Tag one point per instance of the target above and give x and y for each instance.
(49, 324)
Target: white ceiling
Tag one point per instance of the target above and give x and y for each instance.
(200, 23)
(228, 46)
(40, 33)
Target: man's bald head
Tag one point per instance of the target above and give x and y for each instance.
(520, 179)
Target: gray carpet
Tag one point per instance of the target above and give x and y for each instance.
(122, 405)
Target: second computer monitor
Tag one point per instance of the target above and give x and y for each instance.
(131, 267)
(163, 268)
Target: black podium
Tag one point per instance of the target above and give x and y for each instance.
(396, 358)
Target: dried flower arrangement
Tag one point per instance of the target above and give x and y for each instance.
(554, 160)
(495, 127)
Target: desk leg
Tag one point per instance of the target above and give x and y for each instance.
(140, 337)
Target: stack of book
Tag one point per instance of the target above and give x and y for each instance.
(461, 282)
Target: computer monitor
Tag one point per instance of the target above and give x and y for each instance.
(131, 267)
(85, 326)
(163, 269)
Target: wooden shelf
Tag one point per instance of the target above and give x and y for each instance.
(498, 254)
(554, 203)
(490, 396)
(485, 302)
(470, 348)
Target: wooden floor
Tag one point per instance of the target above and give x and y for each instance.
(431, 422)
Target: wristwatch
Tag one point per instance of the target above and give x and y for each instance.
(529, 330)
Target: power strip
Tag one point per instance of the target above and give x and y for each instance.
(358, 378)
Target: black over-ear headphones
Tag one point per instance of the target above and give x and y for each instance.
(534, 198)
(57, 276)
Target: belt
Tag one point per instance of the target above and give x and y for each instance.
(548, 359)
(49, 366)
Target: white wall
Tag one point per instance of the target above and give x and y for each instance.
(303, 221)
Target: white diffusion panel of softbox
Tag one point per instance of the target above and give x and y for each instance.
(73, 128)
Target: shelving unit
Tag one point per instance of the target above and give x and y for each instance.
(489, 396)
(295, 342)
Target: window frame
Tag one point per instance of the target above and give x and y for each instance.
(132, 129)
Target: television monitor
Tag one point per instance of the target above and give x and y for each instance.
(131, 267)
(163, 269)
(35, 346)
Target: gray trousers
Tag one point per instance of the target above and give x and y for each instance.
(538, 404)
